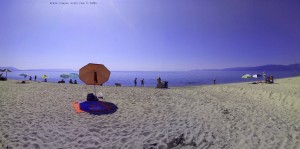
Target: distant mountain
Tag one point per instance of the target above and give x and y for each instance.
(10, 68)
(16, 69)
(206, 70)
(292, 67)
(50, 70)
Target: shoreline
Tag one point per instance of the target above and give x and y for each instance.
(237, 115)
(197, 85)
(179, 79)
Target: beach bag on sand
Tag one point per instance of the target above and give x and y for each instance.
(100, 95)
(91, 97)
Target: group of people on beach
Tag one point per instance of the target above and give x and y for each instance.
(30, 78)
(35, 77)
(71, 81)
(269, 79)
(62, 81)
(142, 82)
(160, 83)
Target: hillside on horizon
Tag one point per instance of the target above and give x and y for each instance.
(270, 67)
(16, 69)
(291, 67)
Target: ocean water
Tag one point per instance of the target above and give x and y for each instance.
(182, 78)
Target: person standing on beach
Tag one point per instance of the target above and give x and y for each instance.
(142, 82)
(265, 77)
(135, 81)
(35, 78)
(159, 83)
(159, 80)
(214, 81)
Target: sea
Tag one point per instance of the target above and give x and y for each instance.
(174, 78)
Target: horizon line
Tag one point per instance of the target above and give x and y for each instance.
(217, 69)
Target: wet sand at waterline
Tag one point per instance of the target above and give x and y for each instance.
(241, 115)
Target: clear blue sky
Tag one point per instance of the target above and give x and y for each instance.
(149, 34)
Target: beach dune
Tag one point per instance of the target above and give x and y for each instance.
(240, 115)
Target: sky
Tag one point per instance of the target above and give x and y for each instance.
(149, 35)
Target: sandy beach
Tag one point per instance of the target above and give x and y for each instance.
(240, 115)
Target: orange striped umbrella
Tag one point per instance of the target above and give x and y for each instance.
(94, 74)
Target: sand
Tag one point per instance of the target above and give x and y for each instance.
(242, 115)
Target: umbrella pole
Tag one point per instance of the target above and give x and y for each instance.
(95, 89)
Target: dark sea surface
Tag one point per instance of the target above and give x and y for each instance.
(181, 78)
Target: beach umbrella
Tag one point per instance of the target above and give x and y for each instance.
(247, 76)
(5, 70)
(65, 76)
(74, 75)
(256, 75)
(24, 74)
(44, 76)
(94, 74)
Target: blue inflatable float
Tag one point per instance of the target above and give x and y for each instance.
(98, 107)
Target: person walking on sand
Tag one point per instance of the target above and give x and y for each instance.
(35, 78)
(135, 81)
(142, 82)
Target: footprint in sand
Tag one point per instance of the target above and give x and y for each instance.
(123, 140)
(145, 133)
